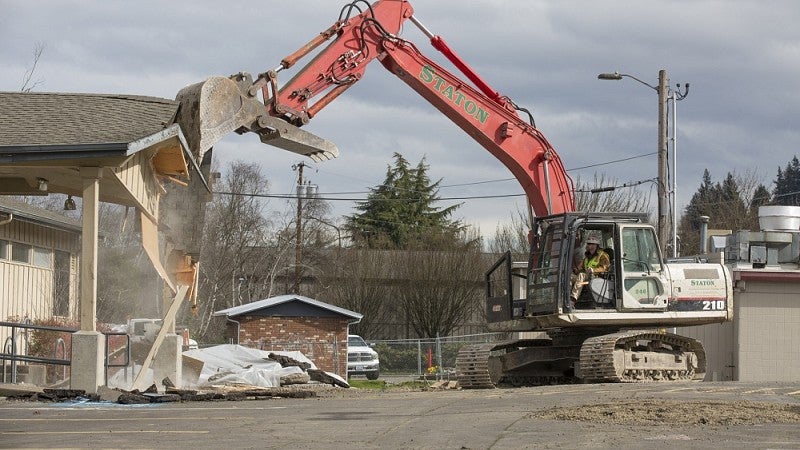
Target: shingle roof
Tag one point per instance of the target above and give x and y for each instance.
(274, 301)
(57, 119)
(28, 212)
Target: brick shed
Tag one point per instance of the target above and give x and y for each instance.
(294, 323)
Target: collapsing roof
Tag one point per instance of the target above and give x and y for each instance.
(47, 136)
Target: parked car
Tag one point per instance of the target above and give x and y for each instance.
(361, 359)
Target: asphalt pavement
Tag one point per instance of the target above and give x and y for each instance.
(349, 418)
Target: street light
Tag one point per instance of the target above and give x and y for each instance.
(664, 94)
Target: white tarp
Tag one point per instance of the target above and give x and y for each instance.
(234, 364)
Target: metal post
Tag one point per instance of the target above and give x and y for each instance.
(663, 200)
(419, 357)
(674, 98)
(438, 358)
(298, 248)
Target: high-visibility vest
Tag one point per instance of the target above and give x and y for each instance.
(594, 261)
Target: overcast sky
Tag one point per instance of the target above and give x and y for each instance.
(742, 59)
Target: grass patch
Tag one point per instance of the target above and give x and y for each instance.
(368, 384)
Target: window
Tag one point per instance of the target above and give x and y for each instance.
(21, 252)
(61, 283)
(42, 257)
(544, 271)
(640, 251)
(3, 250)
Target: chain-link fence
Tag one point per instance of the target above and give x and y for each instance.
(433, 358)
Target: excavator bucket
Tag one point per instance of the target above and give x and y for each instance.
(217, 106)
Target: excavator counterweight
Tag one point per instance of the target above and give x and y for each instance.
(217, 106)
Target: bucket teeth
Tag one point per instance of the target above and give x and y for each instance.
(281, 134)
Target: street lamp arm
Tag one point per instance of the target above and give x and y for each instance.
(618, 76)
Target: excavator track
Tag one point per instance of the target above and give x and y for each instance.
(525, 362)
(638, 356)
(472, 366)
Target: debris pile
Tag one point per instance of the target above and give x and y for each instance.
(235, 365)
(223, 372)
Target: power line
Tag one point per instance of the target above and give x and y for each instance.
(612, 162)
(294, 197)
(611, 188)
(499, 180)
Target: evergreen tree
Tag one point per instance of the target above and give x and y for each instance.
(787, 184)
(723, 203)
(400, 213)
(761, 197)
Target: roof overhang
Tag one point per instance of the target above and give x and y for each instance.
(165, 153)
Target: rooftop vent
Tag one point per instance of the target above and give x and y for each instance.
(779, 218)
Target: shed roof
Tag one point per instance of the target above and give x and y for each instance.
(273, 302)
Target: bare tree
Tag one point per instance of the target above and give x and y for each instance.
(28, 83)
(624, 197)
(360, 280)
(512, 236)
(237, 247)
(440, 289)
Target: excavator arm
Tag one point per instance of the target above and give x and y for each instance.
(491, 119)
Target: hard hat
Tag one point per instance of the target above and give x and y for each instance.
(593, 240)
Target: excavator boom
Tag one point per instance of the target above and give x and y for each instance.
(218, 106)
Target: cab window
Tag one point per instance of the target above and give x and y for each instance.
(640, 250)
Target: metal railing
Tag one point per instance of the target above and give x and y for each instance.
(10, 348)
(126, 351)
(10, 355)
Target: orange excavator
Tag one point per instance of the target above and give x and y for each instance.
(614, 330)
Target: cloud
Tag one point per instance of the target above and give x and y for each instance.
(741, 58)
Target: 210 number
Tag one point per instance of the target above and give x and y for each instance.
(713, 305)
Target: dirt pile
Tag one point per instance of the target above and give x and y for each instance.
(666, 412)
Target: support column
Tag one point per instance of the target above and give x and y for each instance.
(168, 361)
(88, 345)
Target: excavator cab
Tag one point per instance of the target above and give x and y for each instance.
(636, 280)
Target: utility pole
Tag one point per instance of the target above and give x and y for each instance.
(663, 226)
(298, 245)
(665, 94)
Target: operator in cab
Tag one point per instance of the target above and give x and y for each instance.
(595, 261)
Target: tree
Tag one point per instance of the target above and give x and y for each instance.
(624, 198)
(512, 236)
(440, 289)
(360, 280)
(787, 184)
(238, 259)
(730, 205)
(128, 284)
(28, 83)
(401, 213)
